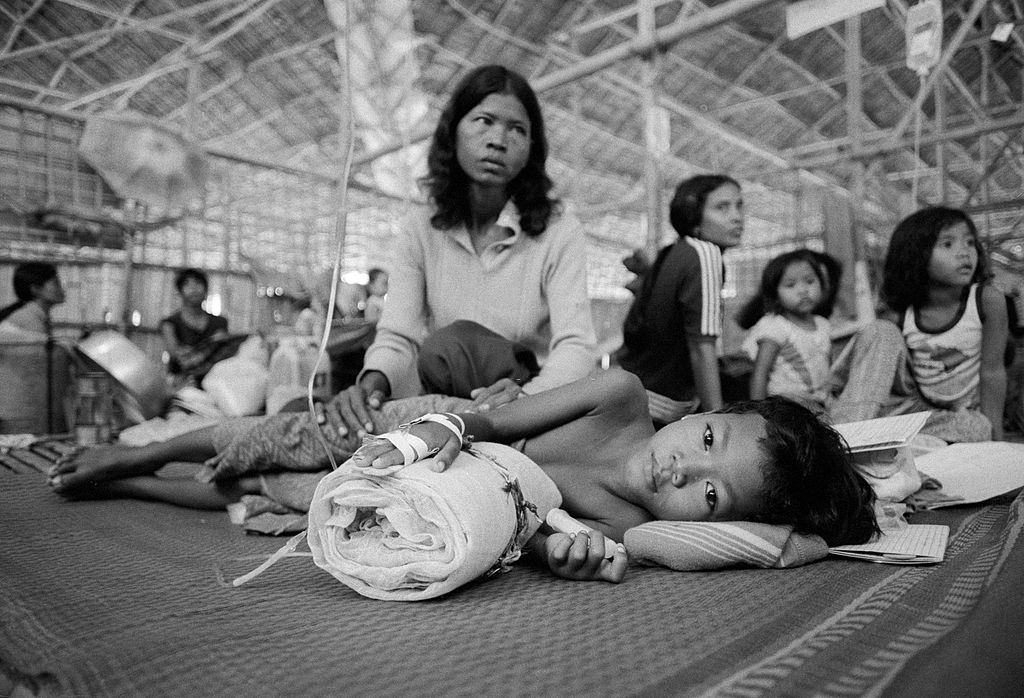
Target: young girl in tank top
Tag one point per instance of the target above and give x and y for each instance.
(953, 323)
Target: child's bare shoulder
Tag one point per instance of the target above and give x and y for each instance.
(622, 400)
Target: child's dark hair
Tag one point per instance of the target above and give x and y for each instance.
(374, 274)
(776, 268)
(905, 282)
(829, 271)
(810, 480)
(190, 273)
(687, 207)
(446, 182)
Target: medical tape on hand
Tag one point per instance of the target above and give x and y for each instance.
(448, 421)
(412, 448)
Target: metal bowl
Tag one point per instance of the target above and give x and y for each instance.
(141, 386)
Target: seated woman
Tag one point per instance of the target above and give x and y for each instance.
(488, 290)
(190, 334)
(670, 334)
(769, 461)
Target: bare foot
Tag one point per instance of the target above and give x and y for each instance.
(80, 471)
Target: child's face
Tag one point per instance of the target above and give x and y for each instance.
(704, 467)
(721, 221)
(954, 257)
(799, 288)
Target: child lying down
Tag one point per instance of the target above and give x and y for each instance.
(770, 461)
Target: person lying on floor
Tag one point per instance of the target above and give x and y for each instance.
(771, 461)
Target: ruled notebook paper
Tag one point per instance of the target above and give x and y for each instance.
(884, 432)
(917, 544)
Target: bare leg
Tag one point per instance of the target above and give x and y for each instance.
(101, 464)
(183, 492)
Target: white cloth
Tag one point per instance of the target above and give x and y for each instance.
(528, 289)
(409, 533)
(801, 367)
(891, 472)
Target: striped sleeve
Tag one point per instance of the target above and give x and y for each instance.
(701, 290)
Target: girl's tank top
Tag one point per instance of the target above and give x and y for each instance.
(946, 362)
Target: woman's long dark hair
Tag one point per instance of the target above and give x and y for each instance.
(446, 182)
(905, 282)
(27, 276)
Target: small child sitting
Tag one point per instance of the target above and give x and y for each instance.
(791, 345)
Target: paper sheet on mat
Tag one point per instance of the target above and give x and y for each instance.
(975, 471)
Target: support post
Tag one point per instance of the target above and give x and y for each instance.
(652, 179)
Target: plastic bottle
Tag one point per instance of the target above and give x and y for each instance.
(291, 365)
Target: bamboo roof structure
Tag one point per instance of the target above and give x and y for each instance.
(636, 94)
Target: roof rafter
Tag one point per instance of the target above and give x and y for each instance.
(159, 20)
(663, 37)
(139, 24)
(19, 25)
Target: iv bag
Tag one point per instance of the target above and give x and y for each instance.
(924, 35)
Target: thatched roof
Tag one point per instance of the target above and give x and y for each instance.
(258, 83)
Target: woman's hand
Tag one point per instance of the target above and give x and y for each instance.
(349, 410)
(582, 557)
(501, 393)
(381, 453)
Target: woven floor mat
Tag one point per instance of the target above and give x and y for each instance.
(127, 597)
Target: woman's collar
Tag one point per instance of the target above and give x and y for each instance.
(509, 218)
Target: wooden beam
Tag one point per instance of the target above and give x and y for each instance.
(708, 19)
(139, 24)
(882, 144)
(32, 87)
(81, 37)
(628, 12)
(19, 24)
(241, 70)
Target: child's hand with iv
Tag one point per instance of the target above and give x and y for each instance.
(582, 556)
(438, 435)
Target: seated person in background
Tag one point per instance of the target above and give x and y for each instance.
(309, 320)
(791, 344)
(31, 366)
(38, 289)
(376, 290)
(488, 289)
(771, 461)
(190, 334)
(671, 331)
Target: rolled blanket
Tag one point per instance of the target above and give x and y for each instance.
(702, 545)
(409, 533)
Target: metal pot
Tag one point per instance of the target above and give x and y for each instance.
(141, 386)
